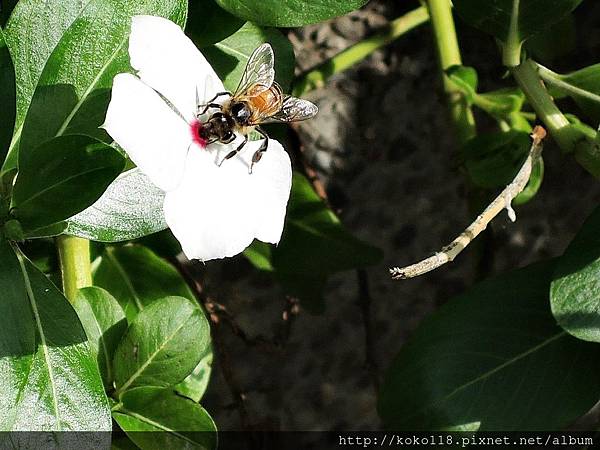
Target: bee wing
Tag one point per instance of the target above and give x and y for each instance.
(259, 72)
(293, 110)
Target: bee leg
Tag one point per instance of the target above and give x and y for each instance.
(263, 148)
(210, 103)
(232, 153)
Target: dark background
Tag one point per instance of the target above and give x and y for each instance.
(385, 151)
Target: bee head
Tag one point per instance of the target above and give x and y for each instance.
(221, 126)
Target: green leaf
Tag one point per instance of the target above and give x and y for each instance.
(7, 94)
(583, 86)
(230, 56)
(492, 359)
(156, 419)
(131, 207)
(500, 103)
(208, 23)
(314, 245)
(32, 32)
(260, 255)
(314, 240)
(492, 160)
(163, 243)
(513, 21)
(519, 122)
(162, 346)
(48, 376)
(196, 382)
(50, 231)
(73, 90)
(136, 277)
(12, 231)
(291, 13)
(465, 79)
(104, 323)
(554, 43)
(575, 289)
(533, 185)
(587, 152)
(77, 168)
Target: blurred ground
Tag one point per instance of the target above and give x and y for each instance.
(383, 146)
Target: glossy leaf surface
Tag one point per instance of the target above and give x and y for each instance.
(291, 13)
(75, 83)
(230, 56)
(7, 98)
(492, 160)
(76, 167)
(554, 43)
(162, 346)
(492, 359)
(131, 207)
(32, 32)
(208, 23)
(48, 376)
(513, 19)
(135, 276)
(104, 323)
(575, 290)
(195, 383)
(156, 419)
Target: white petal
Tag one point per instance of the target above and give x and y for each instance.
(216, 212)
(272, 177)
(168, 60)
(155, 137)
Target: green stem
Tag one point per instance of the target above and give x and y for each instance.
(577, 138)
(511, 50)
(317, 77)
(557, 80)
(448, 51)
(74, 255)
(559, 127)
(446, 41)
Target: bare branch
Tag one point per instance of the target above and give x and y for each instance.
(502, 201)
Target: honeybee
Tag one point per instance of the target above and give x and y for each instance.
(258, 99)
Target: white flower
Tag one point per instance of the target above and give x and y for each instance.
(214, 211)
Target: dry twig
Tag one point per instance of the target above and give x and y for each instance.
(502, 201)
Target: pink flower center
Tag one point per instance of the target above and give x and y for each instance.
(196, 128)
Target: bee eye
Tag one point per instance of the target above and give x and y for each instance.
(228, 136)
(240, 111)
(236, 108)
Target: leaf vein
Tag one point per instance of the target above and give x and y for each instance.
(36, 314)
(151, 357)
